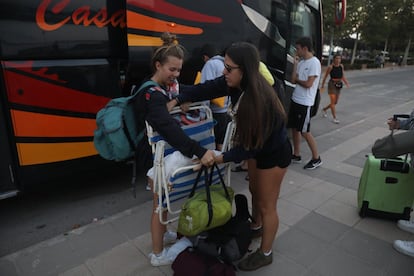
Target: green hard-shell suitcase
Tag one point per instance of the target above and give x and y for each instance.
(386, 188)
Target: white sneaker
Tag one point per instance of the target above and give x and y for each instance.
(148, 187)
(406, 225)
(324, 114)
(170, 237)
(161, 259)
(405, 247)
(335, 121)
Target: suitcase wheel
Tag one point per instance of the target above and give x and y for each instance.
(364, 209)
(406, 214)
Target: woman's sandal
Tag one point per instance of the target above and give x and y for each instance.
(238, 169)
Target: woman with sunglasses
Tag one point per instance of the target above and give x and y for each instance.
(260, 137)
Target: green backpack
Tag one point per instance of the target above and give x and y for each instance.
(117, 134)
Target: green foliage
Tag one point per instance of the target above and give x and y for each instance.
(380, 24)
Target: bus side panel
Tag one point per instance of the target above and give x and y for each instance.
(52, 107)
(196, 23)
(61, 62)
(61, 29)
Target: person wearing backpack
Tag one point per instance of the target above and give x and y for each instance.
(167, 62)
(261, 137)
(213, 68)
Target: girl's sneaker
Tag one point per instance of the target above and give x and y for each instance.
(324, 114)
(160, 259)
(405, 247)
(335, 121)
(406, 225)
(170, 237)
(296, 159)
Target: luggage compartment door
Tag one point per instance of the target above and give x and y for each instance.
(7, 180)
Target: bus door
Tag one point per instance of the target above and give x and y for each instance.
(7, 181)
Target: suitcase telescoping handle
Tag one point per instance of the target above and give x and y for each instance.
(404, 168)
(396, 116)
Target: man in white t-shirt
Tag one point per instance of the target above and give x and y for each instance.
(306, 74)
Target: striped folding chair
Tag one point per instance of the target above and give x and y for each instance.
(177, 187)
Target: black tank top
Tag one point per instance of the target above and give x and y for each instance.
(336, 72)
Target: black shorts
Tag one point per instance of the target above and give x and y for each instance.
(280, 157)
(299, 117)
(222, 119)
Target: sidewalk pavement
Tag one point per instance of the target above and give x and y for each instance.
(320, 231)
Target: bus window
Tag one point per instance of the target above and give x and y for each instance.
(271, 17)
(303, 22)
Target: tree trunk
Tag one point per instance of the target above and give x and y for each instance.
(330, 48)
(386, 45)
(407, 50)
(355, 49)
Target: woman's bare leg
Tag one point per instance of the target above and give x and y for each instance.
(267, 193)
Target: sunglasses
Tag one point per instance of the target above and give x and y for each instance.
(230, 68)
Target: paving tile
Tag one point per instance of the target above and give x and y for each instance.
(327, 188)
(287, 189)
(326, 142)
(81, 270)
(308, 199)
(301, 247)
(321, 227)
(339, 211)
(366, 247)
(280, 266)
(95, 239)
(144, 244)
(290, 213)
(333, 158)
(385, 230)
(122, 259)
(282, 229)
(359, 158)
(134, 223)
(297, 176)
(338, 178)
(339, 263)
(399, 264)
(7, 267)
(347, 196)
(47, 259)
(311, 272)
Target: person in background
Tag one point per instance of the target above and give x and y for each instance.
(260, 137)
(213, 68)
(337, 75)
(306, 74)
(167, 62)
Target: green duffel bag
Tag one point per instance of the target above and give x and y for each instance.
(206, 209)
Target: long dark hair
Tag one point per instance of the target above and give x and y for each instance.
(260, 110)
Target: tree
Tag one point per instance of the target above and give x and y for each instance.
(379, 24)
(356, 14)
(405, 26)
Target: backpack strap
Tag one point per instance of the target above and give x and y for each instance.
(143, 86)
(134, 93)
